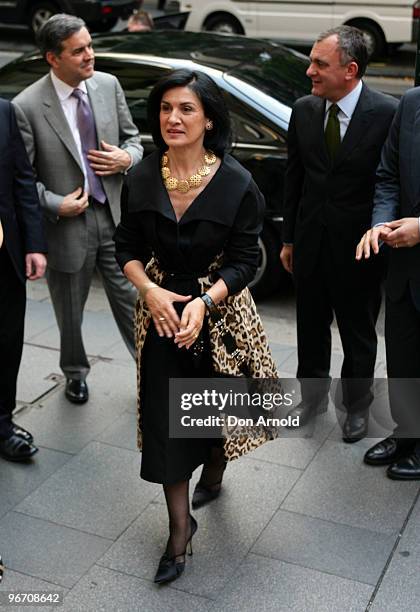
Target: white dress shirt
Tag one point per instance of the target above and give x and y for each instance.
(69, 106)
(346, 109)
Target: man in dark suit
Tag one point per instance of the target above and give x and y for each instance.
(81, 139)
(395, 222)
(335, 139)
(21, 257)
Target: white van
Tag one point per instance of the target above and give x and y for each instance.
(386, 22)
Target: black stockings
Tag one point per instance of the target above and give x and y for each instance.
(179, 517)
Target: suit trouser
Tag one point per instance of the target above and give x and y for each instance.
(318, 297)
(12, 315)
(69, 293)
(402, 338)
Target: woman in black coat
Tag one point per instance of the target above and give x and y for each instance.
(195, 209)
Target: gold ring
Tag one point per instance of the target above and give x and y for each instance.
(162, 319)
(195, 335)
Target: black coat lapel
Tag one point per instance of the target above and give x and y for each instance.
(316, 128)
(414, 158)
(358, 126)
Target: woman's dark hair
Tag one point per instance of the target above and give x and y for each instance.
(218, 138)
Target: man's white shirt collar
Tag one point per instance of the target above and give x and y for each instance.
(349, 102)
(63, 90)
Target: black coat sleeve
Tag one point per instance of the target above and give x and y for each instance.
(294, 179)
(130, 243)
(25, 195)
(241, 250)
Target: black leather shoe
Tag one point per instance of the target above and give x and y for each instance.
(306, 412)
(170, 568)
(77, 391)
(15, 448)
(388, 451)
(355, 427)
(407, 468)
(22, 433)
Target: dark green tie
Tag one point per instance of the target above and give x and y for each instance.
(332, 131)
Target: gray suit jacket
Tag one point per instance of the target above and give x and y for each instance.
(397, 193)
(53, 154)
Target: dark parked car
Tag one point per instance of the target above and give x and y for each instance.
(260, 81)
(100, 15)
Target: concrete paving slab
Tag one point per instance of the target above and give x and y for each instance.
(119, 353)
(400, 588)
(349, 552)
(38, 290)
(339, 487)
(100, 332)
(281, 352)
(274, 586)
(59, 424)
(122, 432)
(17, 480)
(296, 448)
(103, 590)
(98, 491)
(231, 523)
(37, 364)
(39, 317)
(21, 583)
(48, 551)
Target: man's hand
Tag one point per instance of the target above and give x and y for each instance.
(74, 203)
(35, 265)
(403, 233)
(286, 257)
(370, 240)
(109, 161)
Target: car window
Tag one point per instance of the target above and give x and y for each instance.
(137, 81)
(18, 75)
(278, 73)
(248, 126)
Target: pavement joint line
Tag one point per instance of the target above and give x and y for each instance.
(392, 553)
(331, 522)
(314, 569)
(303, 471)
(45, 520)
(59, 450)
(42, 346)
(383, 533)
(56, 584)
(278, 464)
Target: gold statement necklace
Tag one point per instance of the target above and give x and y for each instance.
(194, 181)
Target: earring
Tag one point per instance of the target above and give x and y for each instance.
(209, 125)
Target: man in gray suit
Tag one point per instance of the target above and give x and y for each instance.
(81, 139)
(395, 222)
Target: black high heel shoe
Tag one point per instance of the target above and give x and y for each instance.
(203, 494)
(169, 568)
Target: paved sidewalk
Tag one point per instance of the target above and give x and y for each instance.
(302, 524)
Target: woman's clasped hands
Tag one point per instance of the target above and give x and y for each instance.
(184, 330)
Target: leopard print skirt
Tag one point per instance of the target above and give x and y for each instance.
(244, 323)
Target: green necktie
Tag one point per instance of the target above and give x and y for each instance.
(332, 131)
